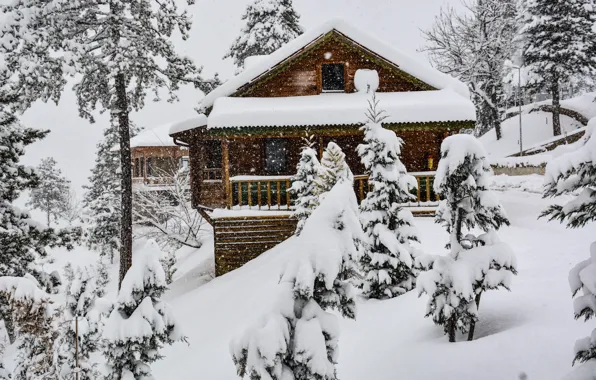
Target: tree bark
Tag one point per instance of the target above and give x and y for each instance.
(126, 178)
(451, 329)
(473, 324)
(555, 92)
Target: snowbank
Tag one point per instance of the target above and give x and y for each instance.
(340, 109)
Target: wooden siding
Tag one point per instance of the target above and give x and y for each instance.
(302, 75)
(239, 240)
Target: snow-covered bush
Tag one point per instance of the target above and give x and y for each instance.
(388, 256)
(269, 24)
(140, 324)
(33, 316)
(304, 186)
(333, 169)
(298, 339)
(51, 196)
(574, 174)
(79, 316)
(475, 263)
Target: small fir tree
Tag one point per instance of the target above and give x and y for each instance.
(388, 256)
(81, 293)
(475, 263)
(51, 194)
(559, 42)
(269, 24)
(574, 174)
(298, 340)
(333, 169)
(140, 324)
(304, 186)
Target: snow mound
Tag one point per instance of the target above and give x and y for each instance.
(366, 81)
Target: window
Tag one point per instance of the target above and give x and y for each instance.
(184, 163)
(161, 166)
(275, 156)
(139, 167)
(213, 155)
(333, 77)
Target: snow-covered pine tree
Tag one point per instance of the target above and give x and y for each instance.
(474, 264)
(387, 259)
(298, 339)
(574, 174)
(304, 186)
(118, 53)
(559, 43)
(51, 194)
(34, 317)
(269, 24)
(140, 324)
(81, 292)
(23, 241)
(333, 169)
(473, 45)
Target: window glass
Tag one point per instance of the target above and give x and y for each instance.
(161, 166)
(275, 156)
(333, 77)
(213, 154)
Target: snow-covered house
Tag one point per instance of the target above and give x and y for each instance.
(156, 157)
(245, 147)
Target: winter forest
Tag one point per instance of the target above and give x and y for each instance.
(297, 190)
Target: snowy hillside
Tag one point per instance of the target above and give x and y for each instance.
(530, 330)
(537, 126)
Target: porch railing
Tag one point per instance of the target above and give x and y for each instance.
(271, 192)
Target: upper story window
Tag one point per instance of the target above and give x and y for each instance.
(333, 77)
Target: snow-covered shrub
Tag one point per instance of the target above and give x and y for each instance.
(140, 324)
(269, 24)
(333, 169)
(51, 196)
(388, 256)
(304, 186)
(79, 314)
(33, 316)
(474, 264)
(574, 173)
(298, 338)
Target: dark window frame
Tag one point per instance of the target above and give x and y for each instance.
(273, 166)
(333, 78)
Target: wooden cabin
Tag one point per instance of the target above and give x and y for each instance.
(245, 147)
(155, 159)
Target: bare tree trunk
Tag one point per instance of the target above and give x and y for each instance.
(473, 324)
(555, 92)
(126, 178)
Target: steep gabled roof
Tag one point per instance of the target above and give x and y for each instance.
(403, 61)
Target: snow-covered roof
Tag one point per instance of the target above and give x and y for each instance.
(405, 62)
(160, 136)
(339, 109)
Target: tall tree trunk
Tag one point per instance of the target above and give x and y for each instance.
(473, 324)
(555, 92)
(451, 328)
(126, 178)
(5, 315)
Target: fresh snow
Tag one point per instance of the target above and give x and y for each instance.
(405, 62)
(185, 125)
(537, 128)
(530, 330)
(160, 136)
(339, 109)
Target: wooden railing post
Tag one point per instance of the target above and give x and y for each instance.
(288, 200)
(249, 192)
(269, 195)
(259, 194)
(428, 189)
(225, 150)
(278, 195)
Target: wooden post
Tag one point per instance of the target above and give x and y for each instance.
(321, 147)
(77, 346)
(248, 186)
(288, 201)
(361, 188)
(278, 195)
(240, 194)
(428, 189)
(259, 194)
(225, 150)
(418, 189)
(269, 195)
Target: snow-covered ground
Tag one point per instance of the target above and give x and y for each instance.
(529, 330)
(536, 128)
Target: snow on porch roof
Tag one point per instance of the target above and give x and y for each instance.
(340, 109)
(405, 62)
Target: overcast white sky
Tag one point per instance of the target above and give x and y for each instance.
(216, 23)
